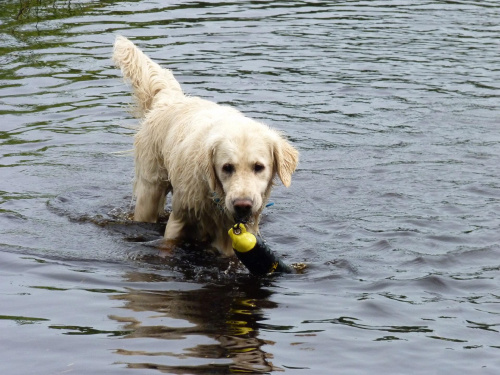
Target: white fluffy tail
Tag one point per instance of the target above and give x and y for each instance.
(147, 77)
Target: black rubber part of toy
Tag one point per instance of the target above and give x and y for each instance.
(261, 260)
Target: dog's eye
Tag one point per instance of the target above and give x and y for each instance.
(228, 168)
(258, 167)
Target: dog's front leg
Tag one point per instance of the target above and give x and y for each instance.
(174, 229)
(149, 198)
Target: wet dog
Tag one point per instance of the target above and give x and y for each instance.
(218, 164)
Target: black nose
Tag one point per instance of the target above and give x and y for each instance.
(242, 208)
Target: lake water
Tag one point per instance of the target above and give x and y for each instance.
(395, 207)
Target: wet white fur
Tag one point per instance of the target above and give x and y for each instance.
(181, 146)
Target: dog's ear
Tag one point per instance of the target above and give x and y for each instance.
(207, 162)
(211, 174)
(286, 159)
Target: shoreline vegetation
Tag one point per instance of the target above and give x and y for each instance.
(27, 9)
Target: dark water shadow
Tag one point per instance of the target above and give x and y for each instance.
(141, 242)
(228, 316)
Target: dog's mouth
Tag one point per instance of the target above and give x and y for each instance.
(242, 219)
(245, 221)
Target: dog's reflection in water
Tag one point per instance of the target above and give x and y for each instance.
(213, 329)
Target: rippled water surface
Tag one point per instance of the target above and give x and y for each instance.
(395, 207)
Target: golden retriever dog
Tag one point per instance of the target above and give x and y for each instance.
(218, 164)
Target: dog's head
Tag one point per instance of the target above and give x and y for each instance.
(243, 165)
